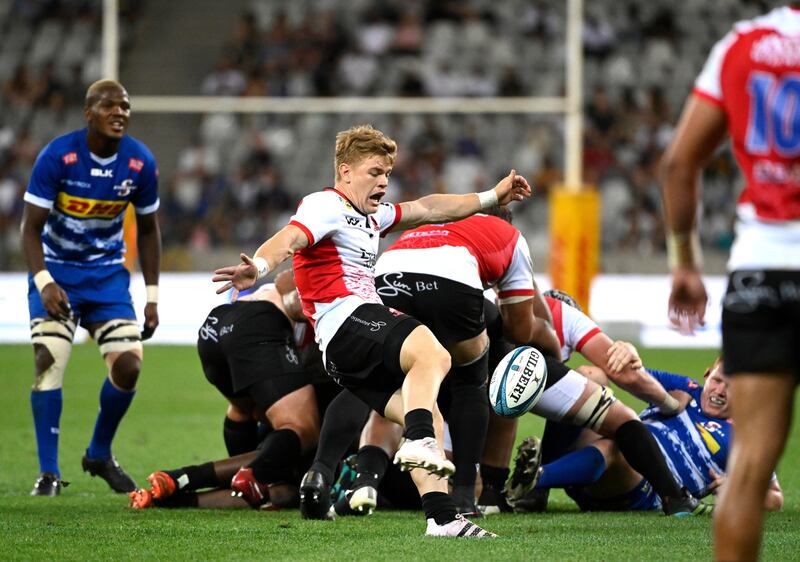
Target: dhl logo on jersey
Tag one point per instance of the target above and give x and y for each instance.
(89, 208)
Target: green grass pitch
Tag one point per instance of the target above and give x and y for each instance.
(176, 419)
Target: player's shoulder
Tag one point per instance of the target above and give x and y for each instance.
(783, 20)
(134, 148)
(65, 144)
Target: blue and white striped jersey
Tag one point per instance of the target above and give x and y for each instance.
(692, 442)
(87, 197)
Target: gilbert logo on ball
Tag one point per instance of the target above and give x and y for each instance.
(518, 382)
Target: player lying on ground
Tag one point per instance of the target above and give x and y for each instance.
(75, 203)
(695, 441)
(248, 352)
(389, 360)
(576, 333)
(571, 398)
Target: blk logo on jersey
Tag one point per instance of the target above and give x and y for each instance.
(89, 208)
(100, 173)
(124, 189)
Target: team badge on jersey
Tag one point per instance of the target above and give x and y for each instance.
(124, 189)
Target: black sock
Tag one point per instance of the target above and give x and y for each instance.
(642, 452)
(469, 422)
(277, 458)
(557, 439)
(240, 437)
(195, 477)
(342, 424)
(439, 507)
(372, 463)
(494, 476)
(419, 424)
(184, 499)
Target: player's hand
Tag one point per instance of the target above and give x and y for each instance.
(241, 276)
(687, 301)
(512, 188)
(622, 355)
(56, 302)
(717, 482)
(150, 320)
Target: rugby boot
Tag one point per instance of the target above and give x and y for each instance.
(140, 499)
(162, 485)
(425, 454)
(361, 501)
(527, 469)
(459, 528)
(685, 505)
(534, 501)
(110, 471)
(315, 496)
(48, 484)
(244, 485)
(493, 501)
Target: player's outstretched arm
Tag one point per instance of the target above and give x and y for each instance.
(449, 207)
(621, 363)
(54, 299)
(148, 239)
(269, 255)
(700, 130)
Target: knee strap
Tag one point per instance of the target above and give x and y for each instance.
(56, 337)
(593, 412)
(119, 335)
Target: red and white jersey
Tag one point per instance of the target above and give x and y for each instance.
(335, 273)
(480, 251)
(753, 74)
(572, 327)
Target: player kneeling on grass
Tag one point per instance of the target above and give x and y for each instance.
(247, 351)
(695, 441)
(387, 359)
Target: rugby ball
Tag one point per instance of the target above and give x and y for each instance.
(518, 382)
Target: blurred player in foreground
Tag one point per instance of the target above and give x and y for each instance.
(749, 88)
(695, 442)
(75, 204)
(389, 360)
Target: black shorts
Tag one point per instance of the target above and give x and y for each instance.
(761, 322)
(453, 311)
(499, 347)
(247, 350)
(364, 355)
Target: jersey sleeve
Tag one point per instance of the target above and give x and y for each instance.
(708, 84)
(145, 200)
(44, 184)
(577, 327)
(671, 381)
(318, 215)
(516, 283)
(388, 215)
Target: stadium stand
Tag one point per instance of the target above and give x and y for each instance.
(641, 59)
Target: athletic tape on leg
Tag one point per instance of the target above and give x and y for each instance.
(56, 337)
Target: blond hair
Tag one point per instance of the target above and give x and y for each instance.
(95, 91)
(360, 142)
